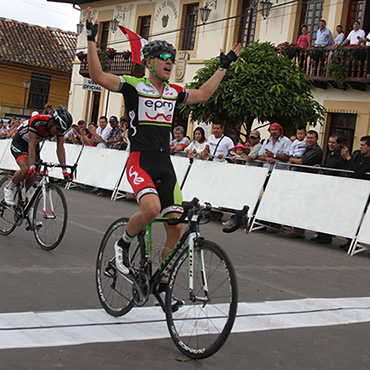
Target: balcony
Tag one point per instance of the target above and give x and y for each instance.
(120, 65)
(340, 67)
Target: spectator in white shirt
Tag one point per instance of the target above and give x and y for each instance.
(101, 133)
(355, 36)
(198, 144)
(340, 37)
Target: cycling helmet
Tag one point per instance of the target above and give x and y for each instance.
(156, 47)
(63, 117)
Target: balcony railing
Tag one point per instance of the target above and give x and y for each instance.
(120, 65)
(338, 67)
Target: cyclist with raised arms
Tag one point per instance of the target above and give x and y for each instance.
(26, 151)
(150, 104)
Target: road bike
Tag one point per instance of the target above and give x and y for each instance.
(50, 213)
(200, 274)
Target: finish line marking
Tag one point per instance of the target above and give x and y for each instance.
(62, 328)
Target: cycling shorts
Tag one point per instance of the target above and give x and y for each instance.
(151, 172)
(19, 148)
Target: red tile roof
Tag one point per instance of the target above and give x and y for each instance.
(37, 46)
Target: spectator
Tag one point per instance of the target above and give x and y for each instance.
(69, 136)
(313, 154)
(359, 163)
(311, 157)
(14, 128)
(333, 160)
(299, 145)
(114, 136)
(324, 37)
(122, 143)
(89, 139)
(254, 138)
(247, 147)
(276, 148)
(3, 130)
(356, 36)
(11, 124)
(340, 37)
(198, 144)
(101, 133)
(80, 132)
(218, 145)
(238, 154)
(304, 40)
(180, 142)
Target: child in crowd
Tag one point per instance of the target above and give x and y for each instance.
(238, 154)
(299, 145)
(198, 144)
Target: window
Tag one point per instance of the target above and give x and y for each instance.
(356, 12)
(248, 22)
(144, 26)
(39, 90)
(311, 15)
(191, 20)
(104, 35)
(344, 126)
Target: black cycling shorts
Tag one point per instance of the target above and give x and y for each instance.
(19, 148)
(151, 172)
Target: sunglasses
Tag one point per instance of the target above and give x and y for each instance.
(165, 56)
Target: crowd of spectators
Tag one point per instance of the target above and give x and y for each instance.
(325, 41)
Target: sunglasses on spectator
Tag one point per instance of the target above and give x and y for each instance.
(165, 56)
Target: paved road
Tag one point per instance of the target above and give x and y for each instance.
(270, 267)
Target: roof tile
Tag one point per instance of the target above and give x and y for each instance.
(37, 46)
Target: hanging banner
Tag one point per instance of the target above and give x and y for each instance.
(90, 85)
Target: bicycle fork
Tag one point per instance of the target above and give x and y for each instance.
(200, 255)
(44, 203)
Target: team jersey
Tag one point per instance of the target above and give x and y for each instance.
(149, 114)
(36, 124)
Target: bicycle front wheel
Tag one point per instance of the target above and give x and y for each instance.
(201, 327)
(50, 217)
(7, 220)
(115, 290)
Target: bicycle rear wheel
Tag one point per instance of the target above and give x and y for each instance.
(50, 217)
(115, 290)
(201, 327)
(7, 220)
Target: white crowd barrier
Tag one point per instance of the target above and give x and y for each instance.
(224, 185)
(327, 204)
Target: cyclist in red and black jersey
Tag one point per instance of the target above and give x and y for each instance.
(25, 147)
(150, 104)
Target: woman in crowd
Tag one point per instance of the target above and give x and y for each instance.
(198, 144)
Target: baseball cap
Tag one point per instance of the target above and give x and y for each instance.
(113, 119)
(254, 133)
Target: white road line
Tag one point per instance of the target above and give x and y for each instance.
(50, 329)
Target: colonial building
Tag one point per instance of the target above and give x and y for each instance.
(198, 29)
(35, 67)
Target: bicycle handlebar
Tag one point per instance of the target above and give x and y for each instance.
(57, 165)
(241, 215)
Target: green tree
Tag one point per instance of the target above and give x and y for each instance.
(260, 85)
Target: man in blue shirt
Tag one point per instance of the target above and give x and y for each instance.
(324, 38)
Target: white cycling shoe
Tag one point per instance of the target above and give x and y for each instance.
(9, 196)
(121, 250)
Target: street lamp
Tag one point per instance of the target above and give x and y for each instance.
(26, 85)
(265, 8)
(114, 24)
(80, 27)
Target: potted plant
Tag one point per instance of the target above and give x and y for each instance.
(81, 56)
(289, 50)
(111, 53)
(103, 57)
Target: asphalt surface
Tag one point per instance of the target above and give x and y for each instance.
(270, 267)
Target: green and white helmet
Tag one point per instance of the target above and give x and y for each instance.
(153, 48)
